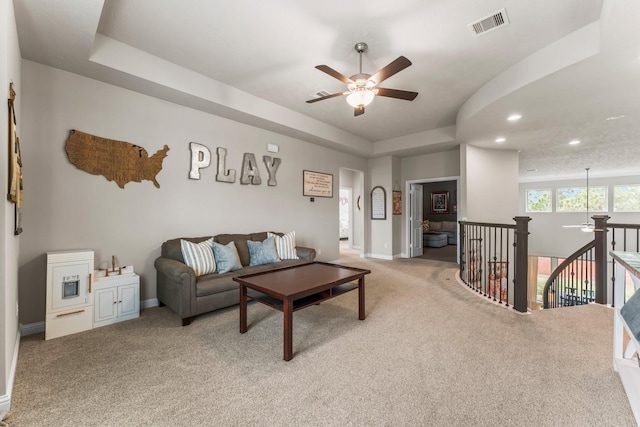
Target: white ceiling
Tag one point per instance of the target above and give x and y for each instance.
(565, 65)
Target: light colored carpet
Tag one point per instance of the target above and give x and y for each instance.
(446, 253)
(429, 353)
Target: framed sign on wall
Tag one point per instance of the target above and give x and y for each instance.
(440, 202)
(317, 184)
(378, 203)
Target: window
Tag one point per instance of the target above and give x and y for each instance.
(626, 198)
(575, 199)
(538, 200)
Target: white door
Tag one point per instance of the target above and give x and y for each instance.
(415, 220)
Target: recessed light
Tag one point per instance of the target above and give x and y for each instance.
(574, 142)
(514, 117)
(620, 116)
(500, 139)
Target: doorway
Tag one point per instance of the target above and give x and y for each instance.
(351, 214)
(436, 201)
(345, 215)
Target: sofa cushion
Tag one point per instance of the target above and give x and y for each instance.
(425, 225)
(226, 257)
(449, 226)
(215, 283)
(285, 245)
(262, 252)
(199, 256)
(435, 226)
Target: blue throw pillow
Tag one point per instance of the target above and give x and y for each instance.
(226, 257)
(263, 252)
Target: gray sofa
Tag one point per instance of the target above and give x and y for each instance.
(450, 228)
(188, 296)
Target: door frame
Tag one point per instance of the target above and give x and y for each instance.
(407, 184)
(350, 213)
(415, 248)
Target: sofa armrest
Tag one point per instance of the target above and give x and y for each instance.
(307, 254)
(176, 286)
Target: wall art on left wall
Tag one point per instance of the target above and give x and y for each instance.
(15, 164)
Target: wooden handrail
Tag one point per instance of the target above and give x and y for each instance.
(563, 265)
(489, 224)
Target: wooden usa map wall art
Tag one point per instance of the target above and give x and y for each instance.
(117, 161)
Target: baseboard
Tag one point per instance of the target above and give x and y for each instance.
(378, 256)
(32, 328)
(38, 327)
(148, 303)
(5, 400)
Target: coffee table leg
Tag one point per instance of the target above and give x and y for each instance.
(361, 313)
(288, 329)
(243, 309)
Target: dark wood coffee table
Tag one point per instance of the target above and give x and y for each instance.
(293, 288)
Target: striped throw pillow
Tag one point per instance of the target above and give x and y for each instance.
(199, 256)
(285, 245)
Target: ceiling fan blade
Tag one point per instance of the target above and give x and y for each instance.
(396, 93)
(392, 68)
(358, 111)
(586, 226)
(322, 98)
(334, 73)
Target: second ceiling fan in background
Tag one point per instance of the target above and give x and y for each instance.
(362, 87)
(585, 226)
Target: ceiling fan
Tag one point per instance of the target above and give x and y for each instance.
(585, 226)
(362, 87)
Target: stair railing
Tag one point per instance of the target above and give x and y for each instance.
(573, 281)
(589, 274)
(494, 260)
(624, 237)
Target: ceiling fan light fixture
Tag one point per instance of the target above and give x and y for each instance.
(360, 97)
(362, 86)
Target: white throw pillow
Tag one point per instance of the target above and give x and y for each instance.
(285, 245)
(199, 256)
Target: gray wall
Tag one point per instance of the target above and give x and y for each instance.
(490, 185)
(66, 208)
(9, 72)
(381, 173)
(424, 167)
(428, 188)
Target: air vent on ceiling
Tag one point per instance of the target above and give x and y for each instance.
(489, 23)
(320, 94)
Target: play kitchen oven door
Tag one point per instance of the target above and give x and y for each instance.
(69, 296)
